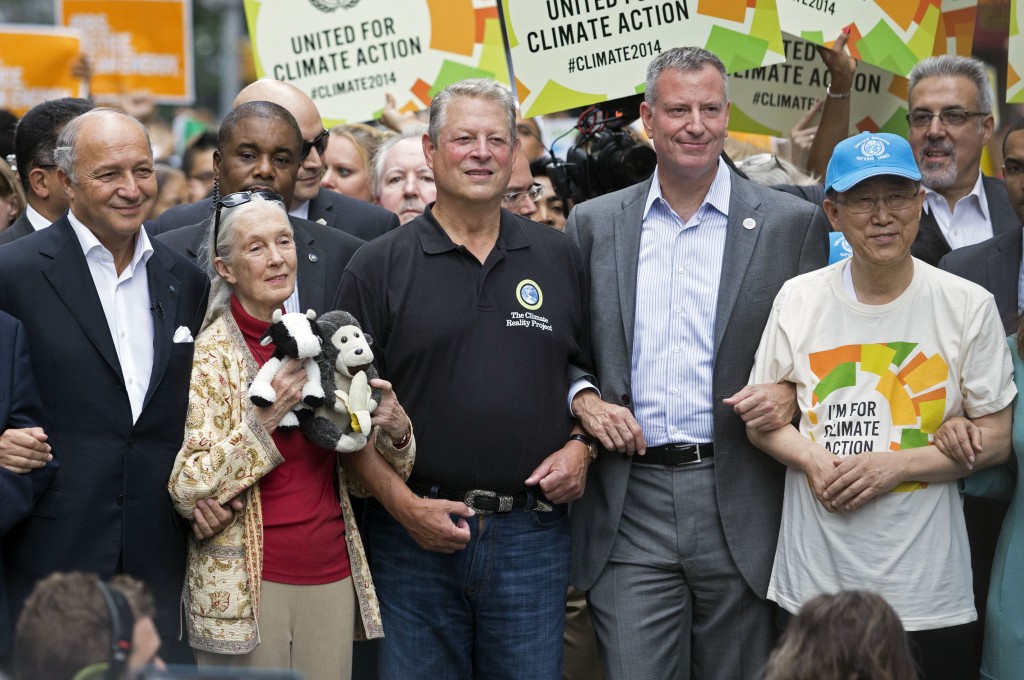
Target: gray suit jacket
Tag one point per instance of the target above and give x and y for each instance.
(19, 227)
(994, 265)
(930, 245)
(789, 239)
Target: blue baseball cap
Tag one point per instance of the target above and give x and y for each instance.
(870, 154)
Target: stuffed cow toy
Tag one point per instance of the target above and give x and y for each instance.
(294, 335)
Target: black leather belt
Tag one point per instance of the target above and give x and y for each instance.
(674, 455)
(485, 502)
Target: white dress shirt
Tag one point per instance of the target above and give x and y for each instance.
(968, 223)
(126, 306)
(36, 219)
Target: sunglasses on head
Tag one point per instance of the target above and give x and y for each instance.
(236, 199)
(319, 143)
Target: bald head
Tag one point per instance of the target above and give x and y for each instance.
(310, 124)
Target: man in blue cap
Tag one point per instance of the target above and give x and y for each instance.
(883, 349)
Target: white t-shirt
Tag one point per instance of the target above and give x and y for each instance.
(882, 378)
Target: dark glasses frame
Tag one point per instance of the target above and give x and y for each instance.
(236, 199)
(319, 143)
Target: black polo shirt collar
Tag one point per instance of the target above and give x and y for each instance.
(434, 239)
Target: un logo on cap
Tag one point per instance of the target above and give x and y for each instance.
(872, 147)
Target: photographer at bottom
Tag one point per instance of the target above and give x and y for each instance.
(883, 349)
(76, 627)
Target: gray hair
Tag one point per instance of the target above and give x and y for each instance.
(220, 290)
(954, 66)
(380, 156)
(65, 154)
(685, 59)
(477, 88)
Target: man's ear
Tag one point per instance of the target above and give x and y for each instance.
(65, 183)
(40, 183)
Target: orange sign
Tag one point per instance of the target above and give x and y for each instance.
(35, 66)
(136, 45)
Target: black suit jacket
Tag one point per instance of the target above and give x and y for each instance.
(20, 227)
(19, 407)
(107, 508)
(930, 245)
(322, 254)
(994, 265)
(352, 216)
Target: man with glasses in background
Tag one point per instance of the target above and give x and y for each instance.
(951, 102)
(309, 201)
(522, 193)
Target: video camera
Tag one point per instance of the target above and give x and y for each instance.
(605, 157)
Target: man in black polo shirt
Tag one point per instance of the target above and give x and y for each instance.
(476, 314)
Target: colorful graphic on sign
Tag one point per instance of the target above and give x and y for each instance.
(348, 55)
(570, 53)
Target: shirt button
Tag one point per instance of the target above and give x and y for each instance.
(673, 391)
(676, 350)
(123, 334)
(131, 381)
(679, 310)
(681, 270)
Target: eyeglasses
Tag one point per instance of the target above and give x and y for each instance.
(866, 204)
(948, 117)
(534, 193)
(319, 143)
(236, 199)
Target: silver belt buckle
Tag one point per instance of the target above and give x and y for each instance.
(504, 502)
(684, 449)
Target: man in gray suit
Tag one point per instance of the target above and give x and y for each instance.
(675, 535)
(995, 264)
(34, 142)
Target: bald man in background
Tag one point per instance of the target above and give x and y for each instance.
(310, 201)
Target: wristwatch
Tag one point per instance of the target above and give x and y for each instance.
(588, 442)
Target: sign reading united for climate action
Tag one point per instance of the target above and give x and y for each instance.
(569, 53)
(136, 45)
(347, 54)
(35, 66)
(772, 99)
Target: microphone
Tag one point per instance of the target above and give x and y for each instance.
(158, 308)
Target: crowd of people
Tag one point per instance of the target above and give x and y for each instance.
(669, 396)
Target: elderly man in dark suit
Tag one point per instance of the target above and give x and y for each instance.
(26, 463)
(109, 317)
(358, 218)
(675, 535)
(259, 147)
(34, 140)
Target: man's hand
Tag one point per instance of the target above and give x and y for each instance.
(430, 523)
(614, 426)
(857, 479)
(562, 476)
(765, 407)
(24, 449)
(801, 136)
(389, 414)
(818, 465)
(210, 517)
(959, 439)
(841, 66)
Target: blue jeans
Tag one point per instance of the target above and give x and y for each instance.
(494, 610)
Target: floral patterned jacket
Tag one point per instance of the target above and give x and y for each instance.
(225, 453)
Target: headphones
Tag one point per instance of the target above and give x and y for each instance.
(122, 624)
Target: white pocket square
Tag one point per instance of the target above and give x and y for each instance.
(182, 334)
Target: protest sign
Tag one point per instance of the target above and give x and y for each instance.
(772, 99)
(136, 45)
(1015, 67)
(570, 53)
(35, 65)
(891, 34)
(346, 54)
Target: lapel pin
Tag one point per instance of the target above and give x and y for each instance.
(322, 221)
(749, 223)
(172, 288)
(313, 257)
